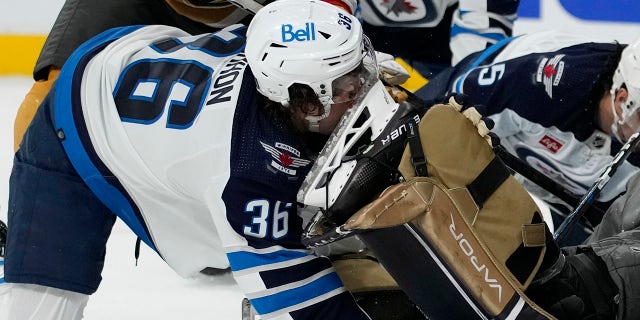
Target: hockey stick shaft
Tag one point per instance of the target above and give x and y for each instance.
(536, 177)
(593, 192)
(329, 236)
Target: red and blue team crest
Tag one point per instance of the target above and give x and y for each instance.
(550, 72)
(285, 158)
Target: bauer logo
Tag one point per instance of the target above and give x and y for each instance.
(307, 33)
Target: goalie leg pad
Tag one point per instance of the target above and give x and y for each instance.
(484, 247)
(457, 156)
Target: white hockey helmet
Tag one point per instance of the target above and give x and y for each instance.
(306, 42)
(627, 75)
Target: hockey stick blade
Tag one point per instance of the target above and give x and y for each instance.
(318, 233)
(593, 192)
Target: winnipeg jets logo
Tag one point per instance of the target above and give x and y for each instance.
(550, 72)
(285, 158)
(398, 6)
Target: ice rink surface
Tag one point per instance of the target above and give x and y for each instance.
(150, 290)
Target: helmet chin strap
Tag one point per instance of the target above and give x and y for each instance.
(615, 125)
(314, 121)
(617, 121)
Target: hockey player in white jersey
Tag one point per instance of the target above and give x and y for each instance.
(199, 144)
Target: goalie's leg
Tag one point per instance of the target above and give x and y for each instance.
(468, 238)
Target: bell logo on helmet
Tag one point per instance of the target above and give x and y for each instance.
(308, 33)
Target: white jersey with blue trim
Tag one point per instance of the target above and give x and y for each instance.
(196, 166)
(155, 128)
(536, 89)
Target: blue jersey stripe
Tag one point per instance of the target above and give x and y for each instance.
(244, 260)
(63, 113)
(298, 295)
(485, 54)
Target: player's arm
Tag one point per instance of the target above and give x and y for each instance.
(274, 271)
(478, 24)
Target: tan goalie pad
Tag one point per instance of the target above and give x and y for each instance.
(360, 274)
(475, 242)
(397, 205)
(456, 155)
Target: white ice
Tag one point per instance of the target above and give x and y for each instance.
(150, 290)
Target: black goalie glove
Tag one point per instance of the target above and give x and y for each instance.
(582, 290)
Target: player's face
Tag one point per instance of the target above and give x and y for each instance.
(346, 91)
(631, 123)
(625, 126)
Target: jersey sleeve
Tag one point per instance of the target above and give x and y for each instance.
(478, 24)
(281, 278)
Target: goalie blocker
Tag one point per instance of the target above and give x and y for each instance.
(465, 240)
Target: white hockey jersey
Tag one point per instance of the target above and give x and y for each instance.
(168, 131)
